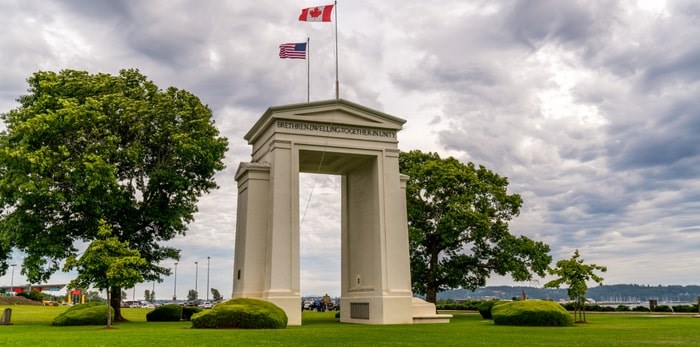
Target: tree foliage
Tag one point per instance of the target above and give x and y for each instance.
(149, 296)
(216, 296)
(574, 273)
(192, 295)
(458, 218)
(82, 148)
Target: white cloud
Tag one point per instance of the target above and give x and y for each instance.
(590, 108)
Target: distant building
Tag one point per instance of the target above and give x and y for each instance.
(39, 288)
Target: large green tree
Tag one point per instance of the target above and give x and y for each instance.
(87, 147)
(574, 273)
(458, 218)
(106, 263)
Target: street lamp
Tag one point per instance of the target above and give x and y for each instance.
(208, 278)
(175, 285)
(12, 279)
(196, 273)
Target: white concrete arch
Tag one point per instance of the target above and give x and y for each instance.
(329, 137)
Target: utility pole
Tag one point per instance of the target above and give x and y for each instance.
(175, 285)
(208, 278)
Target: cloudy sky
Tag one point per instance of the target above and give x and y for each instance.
(591, 108)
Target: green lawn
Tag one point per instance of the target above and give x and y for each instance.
(31, 328)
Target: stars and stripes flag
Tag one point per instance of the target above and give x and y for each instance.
(293, 50)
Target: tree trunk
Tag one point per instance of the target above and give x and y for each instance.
(580, 311)
(432, 290)
(109, 315)
(431, 295)
(116, 302)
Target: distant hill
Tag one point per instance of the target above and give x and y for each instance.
(615, 293)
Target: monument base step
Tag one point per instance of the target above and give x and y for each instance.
(425, 313)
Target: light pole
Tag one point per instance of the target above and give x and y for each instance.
(175, 285)
(12, 279)
(196, 274)
(208, 278)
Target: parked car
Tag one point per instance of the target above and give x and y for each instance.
(307, 304)
(206, 304)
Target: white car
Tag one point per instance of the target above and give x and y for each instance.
(206, 304)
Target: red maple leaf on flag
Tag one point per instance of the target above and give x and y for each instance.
(315, 12)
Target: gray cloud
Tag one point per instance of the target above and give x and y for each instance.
(590, 108)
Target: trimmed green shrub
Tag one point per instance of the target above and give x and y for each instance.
(640, 309)
(622, 308)
(469, 305)
(663, 308)
(472, 305)
(244, 313)
(446, 307)
(598, 308)
(531, 313)
(189, 311)
(685, 308)
(165, 313)
(93, 313)
(485, 309)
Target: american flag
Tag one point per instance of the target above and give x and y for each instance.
(293, 50)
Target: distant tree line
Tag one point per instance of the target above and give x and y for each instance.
(615, 292)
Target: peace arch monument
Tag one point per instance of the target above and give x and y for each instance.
(335, 137)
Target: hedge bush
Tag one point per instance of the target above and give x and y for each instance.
(93, 313)
(485, 309)
(244, 313)
(165, 313)
(622, 308)
(531, 313)
(663, 308)
(469, 305)
(686, 308)
(189, 311)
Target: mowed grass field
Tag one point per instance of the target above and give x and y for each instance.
(31, 327)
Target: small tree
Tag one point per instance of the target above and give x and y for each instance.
(216, 295)
(574, 273)
(192, 295)
(106, 263)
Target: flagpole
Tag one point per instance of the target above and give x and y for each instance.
(337, 85)
(308, 66)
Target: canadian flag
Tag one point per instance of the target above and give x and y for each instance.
(316, 14)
